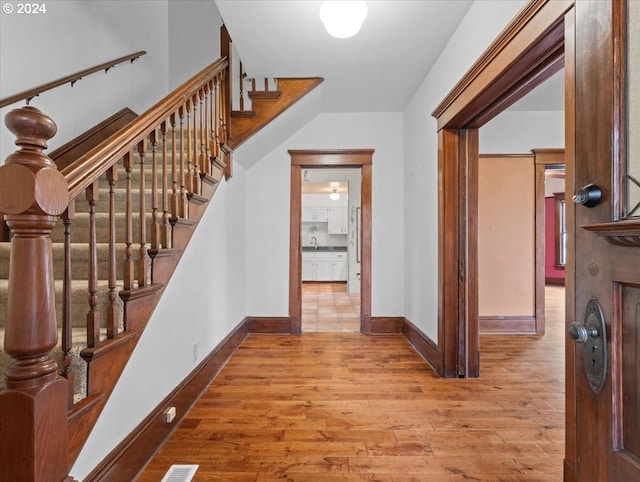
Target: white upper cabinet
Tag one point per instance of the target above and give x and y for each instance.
(338, 220)
(315, 214)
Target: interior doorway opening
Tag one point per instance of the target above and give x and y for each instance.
(330, 249)
(362, 161)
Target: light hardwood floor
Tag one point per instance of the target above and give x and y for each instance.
(343, 406)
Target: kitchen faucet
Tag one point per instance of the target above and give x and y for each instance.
(314, 242)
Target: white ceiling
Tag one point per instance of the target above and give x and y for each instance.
(378, 70)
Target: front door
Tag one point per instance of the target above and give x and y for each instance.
(606, 364)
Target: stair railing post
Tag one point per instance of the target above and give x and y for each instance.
(33, 406)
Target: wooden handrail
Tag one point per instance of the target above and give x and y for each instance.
(72, 79)
(83, 172)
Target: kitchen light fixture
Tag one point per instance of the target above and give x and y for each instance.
(343, 18)
(335, 195)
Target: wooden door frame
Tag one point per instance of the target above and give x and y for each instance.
(543, 159)
(525, 54)
(334, 158)
(533, 47)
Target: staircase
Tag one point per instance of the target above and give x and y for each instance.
(129, 194)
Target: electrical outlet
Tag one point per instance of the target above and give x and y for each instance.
(169, 414)
(195, 351)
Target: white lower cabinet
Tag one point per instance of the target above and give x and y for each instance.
(339, 267)
(308, 266)
(324, 266)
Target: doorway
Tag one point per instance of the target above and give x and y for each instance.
(330, 245)
(360, 160)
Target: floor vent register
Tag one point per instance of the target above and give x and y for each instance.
(180, 473)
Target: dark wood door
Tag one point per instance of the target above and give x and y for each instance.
(607, 255)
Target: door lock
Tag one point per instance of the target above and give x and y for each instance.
(589, 195)
(592, 334)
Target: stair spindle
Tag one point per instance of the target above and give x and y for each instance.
(215, 142)
(67, 317)
(184, 205)
(155, 224)
(202, 160)
(129, 268)
(196, 164)
(175, 189)
(112, 309)
(206, 138)
(165, 231)
(93, 316)
(190, 168)
(142, 251)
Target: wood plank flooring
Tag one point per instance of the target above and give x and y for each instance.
(343, 407)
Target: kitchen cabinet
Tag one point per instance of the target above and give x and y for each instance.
(338, 220)
(324, 266)
(308, 266)
(339, 267)
(315, 214)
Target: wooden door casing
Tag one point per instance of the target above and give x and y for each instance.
(330, 158)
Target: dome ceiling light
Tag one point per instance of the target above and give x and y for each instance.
(335, 195)
(343, 18)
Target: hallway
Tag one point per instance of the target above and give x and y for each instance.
(342, 406)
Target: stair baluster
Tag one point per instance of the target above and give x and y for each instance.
(215, 118)
(165, 231)
(142, 256)
(155, 224)
(184, 203)
(129, 268)
(194, 155)
(93, 316)
(112, 309)
(175, 192)
(189, 136)
(67, 317)
(203, 144)
(210, 120)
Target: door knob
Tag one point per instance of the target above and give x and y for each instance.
(589, 195)
(581, 333)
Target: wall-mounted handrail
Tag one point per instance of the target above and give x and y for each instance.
(69, 79)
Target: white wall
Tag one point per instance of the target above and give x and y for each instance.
(519, 132)
(482, 24)
(194, 27)
(268, 191)
(203, 302)
(74, 35)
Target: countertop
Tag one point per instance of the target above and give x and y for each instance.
(325, 249)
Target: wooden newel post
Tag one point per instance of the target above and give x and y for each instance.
(33, 406)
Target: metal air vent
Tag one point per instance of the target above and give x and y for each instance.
(180, 473)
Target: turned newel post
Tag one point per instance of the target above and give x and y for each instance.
(33, 406)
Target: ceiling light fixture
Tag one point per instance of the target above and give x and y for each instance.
(343, 18)
(335, 195)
